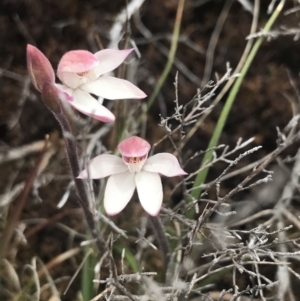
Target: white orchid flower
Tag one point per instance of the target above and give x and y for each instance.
(81, 74)
(134, 170)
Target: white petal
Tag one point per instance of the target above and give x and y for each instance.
(110, 59)
(103, 166)
(113, 88)
(88, 105)
(118, 192)
(165, 164)
(150, 192)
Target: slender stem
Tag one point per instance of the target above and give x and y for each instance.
(51, 98)
(83, 199)
(161, 237)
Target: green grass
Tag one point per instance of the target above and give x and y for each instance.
(201, 176)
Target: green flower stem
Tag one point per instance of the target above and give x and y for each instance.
(87, 285)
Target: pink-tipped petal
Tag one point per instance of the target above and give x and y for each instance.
(113, 88)
(150, 192)
(165, 164)
(39, 68)
(118, 192)
(134, 147)
(103, 166)
(75, 66)
(110, 59)
(65, 93)
(88, 105)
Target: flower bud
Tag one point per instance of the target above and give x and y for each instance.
(39, 68)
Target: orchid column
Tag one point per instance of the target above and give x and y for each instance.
(81, 73)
